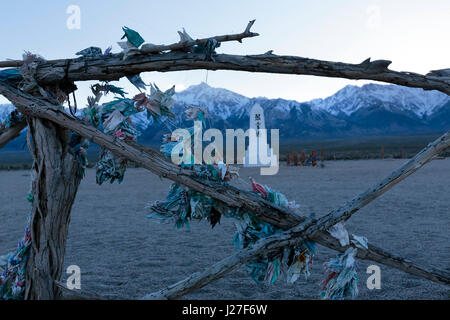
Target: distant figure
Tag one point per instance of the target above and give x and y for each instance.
(308, 161)
(313, 158)
(322, 159)
(302, 158)
(295, 158)
(288, 159)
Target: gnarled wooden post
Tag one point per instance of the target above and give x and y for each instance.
(54, 189)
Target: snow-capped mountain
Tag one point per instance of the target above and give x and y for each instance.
(221, 102)
(367, 110)
(372, 109)
(391, 97)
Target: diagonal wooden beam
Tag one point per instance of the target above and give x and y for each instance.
(9, 134)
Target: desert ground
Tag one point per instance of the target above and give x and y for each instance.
(124, 255)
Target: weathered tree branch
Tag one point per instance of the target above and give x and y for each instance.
(149, 48)
(152, 58)
(156, 163)
(9, 134)
(114, 67)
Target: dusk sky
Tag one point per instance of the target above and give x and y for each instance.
(413, 34)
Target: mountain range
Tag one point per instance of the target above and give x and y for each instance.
(369, 110)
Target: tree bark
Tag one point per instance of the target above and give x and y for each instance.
(9, 134)
(54, 189)
(114, 67)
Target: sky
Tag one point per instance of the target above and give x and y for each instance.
(412, 34)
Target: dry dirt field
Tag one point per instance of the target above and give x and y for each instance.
(124, 255)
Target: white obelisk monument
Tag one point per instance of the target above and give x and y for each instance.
(258, 153)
